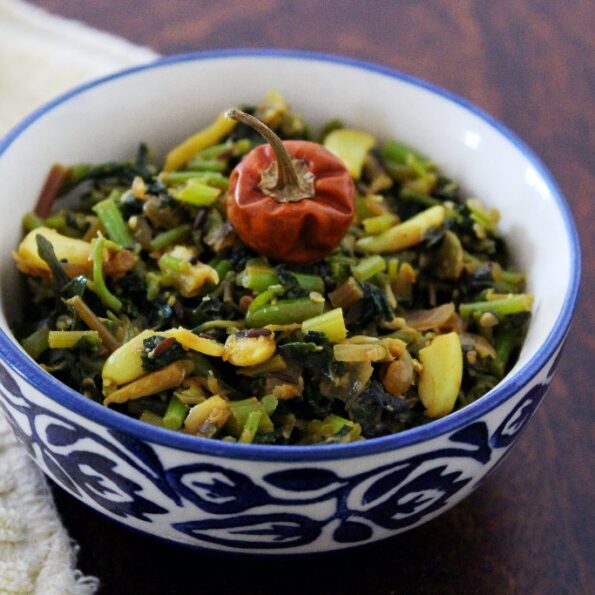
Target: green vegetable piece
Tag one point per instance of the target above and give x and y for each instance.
(175, 414)
(283, 312)
(55, 222)
(379, 223)
(412, 195)
(215, 165)
(153, 281)
(171, 236)
(266, 296)
(223, 267)
(351, 147)
(36, 343)
(333, 428)
(151, 418)
(69, 339)
(210, 178)
(216, 151)
(259, 279)
(404, 235)
(111, 218)
(174, 264)
(330, 324)
(269, 403)
(198, 194)
(31, 221)
(400, 153)
(368, 267)
(108, 299)
(250, 427)
(506, 340)
(513, 304)
(240, 410)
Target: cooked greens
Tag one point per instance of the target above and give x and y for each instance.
(143, 298)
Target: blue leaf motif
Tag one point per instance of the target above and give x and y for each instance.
(476, 435)
(12, 392)
(516, 420)
(266, 531)
(215, 489)
(149, 460)
(306, 479)
(9, 383)
(386, 482)
(352, 532)
(424, 494)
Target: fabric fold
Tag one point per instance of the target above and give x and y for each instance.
(41, 56)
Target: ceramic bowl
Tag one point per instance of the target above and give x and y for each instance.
(274, 499)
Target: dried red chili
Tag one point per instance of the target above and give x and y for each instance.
(292, 201)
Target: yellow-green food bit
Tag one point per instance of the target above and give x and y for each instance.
(442, 373)
(404, 235)
(351, 147)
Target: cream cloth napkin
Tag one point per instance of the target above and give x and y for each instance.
(41, 56)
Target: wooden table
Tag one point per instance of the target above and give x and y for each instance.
(529, 527)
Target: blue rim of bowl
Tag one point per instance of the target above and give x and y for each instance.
(72, 400)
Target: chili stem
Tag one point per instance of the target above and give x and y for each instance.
(286, 175)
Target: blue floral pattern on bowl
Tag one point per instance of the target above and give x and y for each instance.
(293, 507)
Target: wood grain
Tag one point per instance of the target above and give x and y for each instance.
(529, 528)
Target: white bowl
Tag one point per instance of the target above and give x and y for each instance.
(274, 499)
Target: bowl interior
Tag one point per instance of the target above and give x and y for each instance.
(163, 104)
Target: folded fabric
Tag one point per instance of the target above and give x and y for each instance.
(41, 56)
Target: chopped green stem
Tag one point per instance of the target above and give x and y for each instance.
(90, 319)
(176, 265)
(505, 343)
(166, 238)
(510, 305)
(269, 403)
(197, 193)
(240, 410)
(214, 179)
(111, 218)
(108, 299)
(211, 324)
(216, 151)
(216, 165)
(250, 427)
(31, 221)
(425, 200)
(513, 277)
(153, 285)
(330, 323)
(266, 296)
(284, 312)
(259, 279)
(379, 223)
(55, 222)
(175, 414)
(36, 343)
(368, 267)
(69, 339)
(400, 153)
(223, 267)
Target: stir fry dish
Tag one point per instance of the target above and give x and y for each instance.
(268, 283)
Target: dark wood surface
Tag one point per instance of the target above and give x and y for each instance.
(529, 528)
